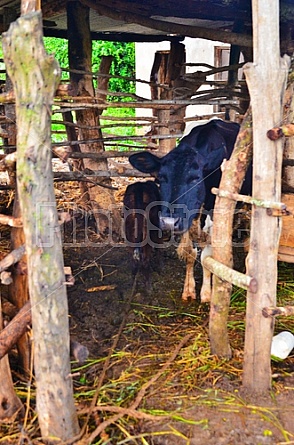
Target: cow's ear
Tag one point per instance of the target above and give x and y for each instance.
(145, 162)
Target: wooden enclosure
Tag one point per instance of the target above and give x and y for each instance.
(156, 139)
(89, 146)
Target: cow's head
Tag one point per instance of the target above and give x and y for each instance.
(180, 175)
(183, 174)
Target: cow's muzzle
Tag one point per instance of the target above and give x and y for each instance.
(169, 224)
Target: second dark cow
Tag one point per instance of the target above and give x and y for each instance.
(141, 225)
(186, 175)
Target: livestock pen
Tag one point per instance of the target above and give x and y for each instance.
(150, 376)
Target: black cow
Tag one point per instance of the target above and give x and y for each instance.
(186, 176)
(141, 225)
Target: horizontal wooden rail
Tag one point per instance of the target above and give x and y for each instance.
(249, 199)
(93, 175)
(275, 311)
(225, 273)
(98, 156)
(155, 104)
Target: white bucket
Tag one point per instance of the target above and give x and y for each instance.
(282, 344)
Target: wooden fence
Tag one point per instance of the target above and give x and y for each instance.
(147, 130)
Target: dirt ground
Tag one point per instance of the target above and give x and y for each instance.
(160, 375)
(200, 395)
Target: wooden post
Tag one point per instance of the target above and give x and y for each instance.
(35, 77)
(165, 145)
(158, 74)
(221, 240)
(266, 78)
(167, 69)
(103, 81)
(102, 200)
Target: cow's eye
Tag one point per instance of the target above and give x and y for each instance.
(193, 179)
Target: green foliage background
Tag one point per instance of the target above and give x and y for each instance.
(123, 63)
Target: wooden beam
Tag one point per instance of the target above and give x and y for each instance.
(116, 36)
(171, 28)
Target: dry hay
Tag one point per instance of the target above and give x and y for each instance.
(169, 389)
(154, 381)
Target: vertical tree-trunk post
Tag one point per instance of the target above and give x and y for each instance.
(103, 78)
(102, 199)
(157, 76)
(266, 78)
(35, 77)
(167, 69)
(224, 208)
(174, 78)
(232, 77)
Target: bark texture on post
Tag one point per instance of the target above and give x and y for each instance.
(167, 70)
(35, 76)
(232, 178)
(266, 78)
(102, 200)
(103, 81)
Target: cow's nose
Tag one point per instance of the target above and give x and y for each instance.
(170, 224)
